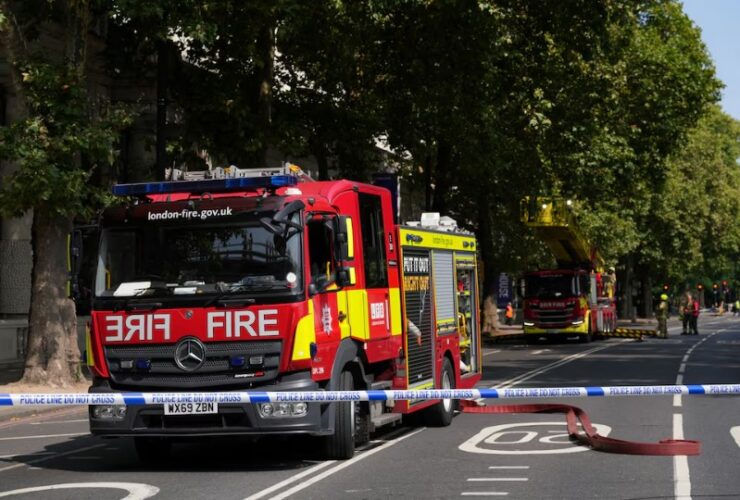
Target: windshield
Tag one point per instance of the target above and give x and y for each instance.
(547, 287)
(158, 259)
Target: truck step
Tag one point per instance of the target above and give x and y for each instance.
(385, 419)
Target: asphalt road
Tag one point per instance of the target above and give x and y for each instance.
(517, 456)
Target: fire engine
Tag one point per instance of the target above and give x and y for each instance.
(576, 298)
(238, 279)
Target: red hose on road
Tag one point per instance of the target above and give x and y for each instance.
(589, 437)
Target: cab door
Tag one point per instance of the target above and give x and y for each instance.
(375, 263)
(322, 276)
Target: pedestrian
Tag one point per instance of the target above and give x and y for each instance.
(509, 313)
(694, 320)
(736, 310)
(684, 309)
(661, 312)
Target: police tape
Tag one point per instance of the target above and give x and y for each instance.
(157, 398)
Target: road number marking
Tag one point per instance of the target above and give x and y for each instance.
(735, 433)
(525, 439)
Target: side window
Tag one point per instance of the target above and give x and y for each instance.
(320, 250)
(373, 241)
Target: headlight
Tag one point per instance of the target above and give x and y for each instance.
(528, 323)
(109, 412)
(282, 410)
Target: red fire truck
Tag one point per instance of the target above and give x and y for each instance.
(233, 279)
(576, 298)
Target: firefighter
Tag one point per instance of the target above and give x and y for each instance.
(694, 317)
(509, 313)
(684, 309)
(661, 312)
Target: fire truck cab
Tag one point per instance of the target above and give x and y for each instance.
(233, 279)
(576, 298)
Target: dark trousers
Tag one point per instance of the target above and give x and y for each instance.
(693, 324)
(686, 323)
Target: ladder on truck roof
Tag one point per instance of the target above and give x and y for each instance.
(234, 172)
(217, 180)
(552, 219)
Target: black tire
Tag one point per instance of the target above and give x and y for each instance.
(341, 444)
(440, 415)
(152, 450)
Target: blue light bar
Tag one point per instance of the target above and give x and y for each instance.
(205, 186)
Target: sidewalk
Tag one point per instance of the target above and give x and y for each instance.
(11, 413)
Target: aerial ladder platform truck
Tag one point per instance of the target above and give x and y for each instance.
(577, 297)
(240, 279)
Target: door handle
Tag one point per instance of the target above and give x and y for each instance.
(341, 316)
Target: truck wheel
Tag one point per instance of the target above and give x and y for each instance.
(341, 444)
(589, 336)
(152, 450)
(440, 415)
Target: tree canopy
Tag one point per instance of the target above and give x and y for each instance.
(482, 102)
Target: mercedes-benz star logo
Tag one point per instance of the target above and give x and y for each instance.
(190, 354)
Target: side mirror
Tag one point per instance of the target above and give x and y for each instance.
(341, 232)
(312, 290)
(343, 278)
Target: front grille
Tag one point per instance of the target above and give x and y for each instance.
(554, 317)
(215, 371)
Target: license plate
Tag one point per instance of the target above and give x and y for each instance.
(190, 408)
(552, 332)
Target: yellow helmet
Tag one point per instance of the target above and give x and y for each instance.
(664, 297)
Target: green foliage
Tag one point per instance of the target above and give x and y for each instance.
(59, 144)
(483, 102)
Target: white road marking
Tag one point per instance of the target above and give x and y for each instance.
(508, 467)
(681, 479)
(60, 421)
(37, 454)
(677, 400)
(735, 433)
(341, 466)
(43, 436)
(551, 366)
(481, 479)
(290, 480)
(494, 351)
(136, 491)
(484, 493)
(682, 368)
(51, 457)
(679, 379)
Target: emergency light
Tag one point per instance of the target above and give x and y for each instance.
(205, 186)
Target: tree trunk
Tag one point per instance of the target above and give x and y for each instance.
(162, 102)
(647, 293)
(442, 176)
(488, 271)
(53, 354)
(428, 182)
(265, 67)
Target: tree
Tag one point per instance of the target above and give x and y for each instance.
(55, 148)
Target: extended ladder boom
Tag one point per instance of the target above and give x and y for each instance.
(553, 221)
